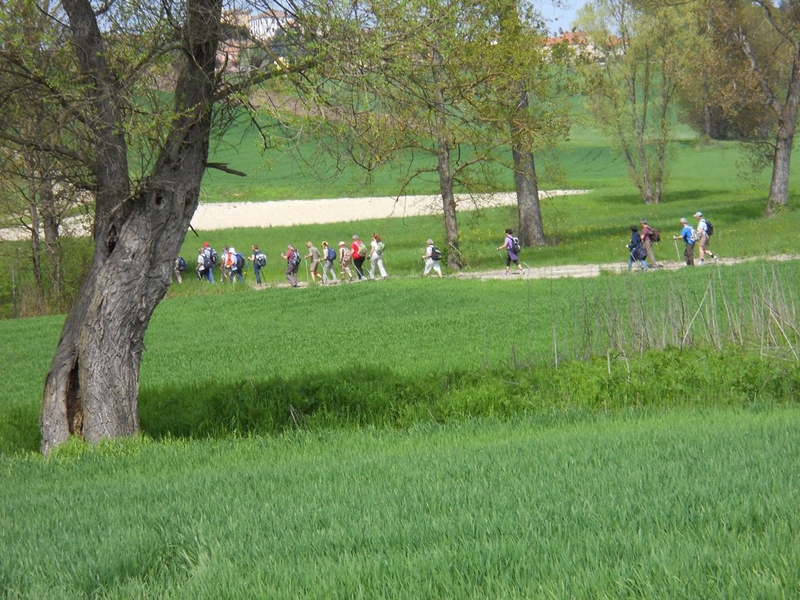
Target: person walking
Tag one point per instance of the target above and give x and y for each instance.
(432, 258)
(292, 257)
(345, 257)
(648, 237)
(636, 251)
(236, 261)
(178, 268)
(259, 260)
(201, 264)
(359, 251)
(376, 257)
(313, 254)
(702, 237)
(328, 258)
(687, 235)
(511, 253)
(209, 261)
(225, 265)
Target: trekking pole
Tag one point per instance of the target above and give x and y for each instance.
(678, 252)
(306, 261)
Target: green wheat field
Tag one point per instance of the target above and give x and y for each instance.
(635, 435)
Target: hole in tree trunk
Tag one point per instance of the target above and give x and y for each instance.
(74, 405)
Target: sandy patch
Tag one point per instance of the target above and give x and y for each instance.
(286, 213)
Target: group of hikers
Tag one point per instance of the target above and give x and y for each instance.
(351, 258)
(320, 261)
(640, 248)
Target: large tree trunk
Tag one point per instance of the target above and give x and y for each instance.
(92, 387)
(448, 205)
(787, 122)
(531, 228)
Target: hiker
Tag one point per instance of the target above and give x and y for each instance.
(225, 264)
(292, 257)
(345, 256)
(376, 257)
(432, 258)
(313, 254)
(259, 260)
(358, 250)
(178, 268)
(511, 252)
(328, 258)
(236, 265)
(702, 237)
(687, 235)
(636, 251)
(201, 264)
(648, 235)
(208, 262)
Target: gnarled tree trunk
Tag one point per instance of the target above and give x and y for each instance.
(93, 384)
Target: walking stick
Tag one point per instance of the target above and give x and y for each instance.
(678, 252)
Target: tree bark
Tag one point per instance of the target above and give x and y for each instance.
(531, 228)
(782, 159)
(92, 388)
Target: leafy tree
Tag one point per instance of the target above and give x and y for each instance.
(633, 81)
(766, 36)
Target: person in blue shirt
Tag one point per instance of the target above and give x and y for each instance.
(687, 235)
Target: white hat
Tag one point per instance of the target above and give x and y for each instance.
(698, 214)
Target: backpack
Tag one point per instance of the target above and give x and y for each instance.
(210, 258)
(181, 264)
(330, 254)
(295, 259)
(516, 247)
(654, 235)
(381, 246)
(261, 260)
(239, 262)
(436, 254)
(709, 228)
(362, 249)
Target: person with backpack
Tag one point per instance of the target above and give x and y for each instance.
(649, 236)
(201, 264)
(704, 232)
(687, 235)
(209, 261)
(512, 248)
(236, 261)
(636, 251)
(259, 260)
(359, 251)
(313, 254)
(293, 260)
(328, 256)
(345, 257)
(178, 268)
(432, 258)
(225, 265)
(376, 257)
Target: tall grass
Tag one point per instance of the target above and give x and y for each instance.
(685, 505)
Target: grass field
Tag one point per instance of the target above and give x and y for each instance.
(627, 436)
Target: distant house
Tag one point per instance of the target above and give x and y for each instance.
(265, 25)
(582, 43)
